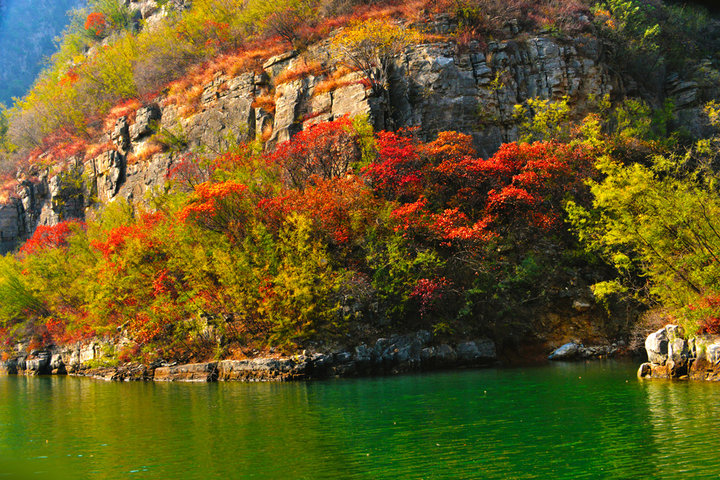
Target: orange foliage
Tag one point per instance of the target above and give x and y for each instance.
(126, 109)
(301, 70)
(96, 23)
(144, 152)
(95, 149)
(266, 102)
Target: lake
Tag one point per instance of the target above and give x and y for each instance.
(579, 420)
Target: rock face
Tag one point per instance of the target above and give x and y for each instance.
(672, 356)
(432, 87)
(194, 372)
(396, 354)
(656, 345)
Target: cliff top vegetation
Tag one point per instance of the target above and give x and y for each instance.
(109, 57)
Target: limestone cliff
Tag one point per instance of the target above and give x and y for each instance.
(434, 87)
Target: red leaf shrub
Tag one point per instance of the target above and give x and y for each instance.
(50, 237)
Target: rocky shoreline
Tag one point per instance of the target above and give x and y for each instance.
(396, 354)
(672, 356)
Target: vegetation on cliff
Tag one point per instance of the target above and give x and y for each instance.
(342, 230)
(335, 231)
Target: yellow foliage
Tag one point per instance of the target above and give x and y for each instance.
(370, 46)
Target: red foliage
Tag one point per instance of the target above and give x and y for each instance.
(55, 236)
(116, 238)
(342, 208)
(215, 204)
(710, 324)
(448, 195)
(96, 23)
(216, 33)
(326, 149)
(398, 172)
(428, 292)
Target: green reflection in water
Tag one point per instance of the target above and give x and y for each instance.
(562, 421)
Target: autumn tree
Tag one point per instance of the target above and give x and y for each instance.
(370, 47)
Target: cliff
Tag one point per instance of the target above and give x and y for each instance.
(432, 87)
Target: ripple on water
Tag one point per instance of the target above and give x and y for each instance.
(564, 421)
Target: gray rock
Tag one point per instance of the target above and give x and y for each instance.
(678, 351)
(712, 353)
(89, 352)
(644, 371)
(38, 365)
(486, 349)
(467, 352)
(195, 372)
(445, 354)
(274, 65)
(656, 345)
(120, 135)
(9, 367)
(146, 122)
(363, 354)
(343, 357)
(565, 352)
(56, 362)
(427, 354)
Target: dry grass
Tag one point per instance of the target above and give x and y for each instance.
(125, 109)
(301, 70)
(8, 188)
(334, 81)
(95, 149)
(266, 102)
(186, 92)
(266, 133)
(144, 152)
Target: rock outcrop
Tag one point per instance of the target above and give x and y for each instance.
(672, 356)
(396, 354)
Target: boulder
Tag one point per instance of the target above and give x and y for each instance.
(656, 345)
(565, 352)
(263, 369)
(39, 364)
(8, 367)
(645, 370)
(678, 351)
(476, 352)
(712, 353)
(486, 349)
(445, 355)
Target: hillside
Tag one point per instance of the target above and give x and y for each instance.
(198, 181)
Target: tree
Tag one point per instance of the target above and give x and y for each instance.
(370, 47)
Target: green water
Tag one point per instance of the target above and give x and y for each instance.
(571, 421)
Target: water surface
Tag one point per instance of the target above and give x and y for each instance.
(592, 420)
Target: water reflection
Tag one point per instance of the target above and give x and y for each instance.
(683, 418)
(564, 421)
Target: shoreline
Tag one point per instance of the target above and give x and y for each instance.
(397, 354)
